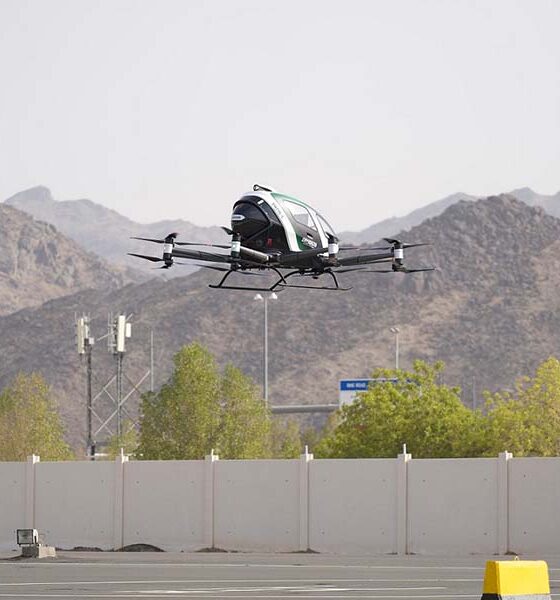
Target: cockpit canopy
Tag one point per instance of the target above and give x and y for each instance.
(268, 220)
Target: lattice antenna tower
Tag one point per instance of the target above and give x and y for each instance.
(119, 330)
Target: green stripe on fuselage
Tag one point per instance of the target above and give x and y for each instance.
(291, 199)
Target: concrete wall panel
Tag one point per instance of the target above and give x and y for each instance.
(453, 506)
(74, 503)
(534, 504)
(353, 506)
(12, 503)
(164, 504)
(256, 505)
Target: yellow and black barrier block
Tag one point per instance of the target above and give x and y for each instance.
(516, 580)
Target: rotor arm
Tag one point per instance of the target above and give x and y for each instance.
(364, 259)
(201, 255)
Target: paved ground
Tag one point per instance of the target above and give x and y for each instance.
(79, 575)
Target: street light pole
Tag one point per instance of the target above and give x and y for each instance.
(265, 299)
(396, 331)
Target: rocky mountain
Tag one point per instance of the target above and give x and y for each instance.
(490, 312)
(37, 263)
(551, 203)
(105, 231)
(389, 227)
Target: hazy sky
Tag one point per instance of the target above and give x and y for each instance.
(365, 109)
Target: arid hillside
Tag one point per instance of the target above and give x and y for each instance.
(490, 312)
(37, 263)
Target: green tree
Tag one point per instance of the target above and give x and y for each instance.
(245, 422)
(286, 439)
(200, 409)
(128, 441)
(182, 420)
(527, 421)
(29, 422)
(417, 410)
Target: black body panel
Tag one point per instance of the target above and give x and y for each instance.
(258, 225)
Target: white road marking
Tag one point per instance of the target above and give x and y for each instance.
(244, 580)
(431, 596)
(290, 588)
(245, 565)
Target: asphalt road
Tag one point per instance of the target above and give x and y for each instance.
(79, 575)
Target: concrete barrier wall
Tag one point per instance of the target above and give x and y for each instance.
(353, 506)
(12, 502)
(534, 505)
(453, 503)
(374, 506)
(75, 503)
(164, 504)
(256, 505)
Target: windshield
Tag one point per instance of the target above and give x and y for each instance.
(300, 213)
(325, 225)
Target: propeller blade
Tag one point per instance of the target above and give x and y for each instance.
(225, 246)
(228, 230)
(384, 248)
(394, 242)
(165, 240)
(420, 270)
(152, 258)
(148, 240)
(416, 245)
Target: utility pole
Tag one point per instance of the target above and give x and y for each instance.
(396, 331)
(85, 344)
(152, 361)
(265, 299)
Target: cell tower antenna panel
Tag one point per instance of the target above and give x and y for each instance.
(80, 335)
(121, 333)
(83, 338)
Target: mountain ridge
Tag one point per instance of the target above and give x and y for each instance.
(107, 233)
(37, 263)
(103, 230)
(489, 312)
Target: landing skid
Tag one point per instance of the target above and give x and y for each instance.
(282, 283)
(336, 288)
(221, 286)
(313, 287)
(247, 289)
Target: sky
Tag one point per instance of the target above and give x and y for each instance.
(365, 109)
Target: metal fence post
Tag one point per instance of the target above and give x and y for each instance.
(503, 502)
(209, 499)
(29, 517)
(402, 501)
(304, 460)
(118, 506)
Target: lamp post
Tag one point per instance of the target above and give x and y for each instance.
(265, 299)
(396, 331)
